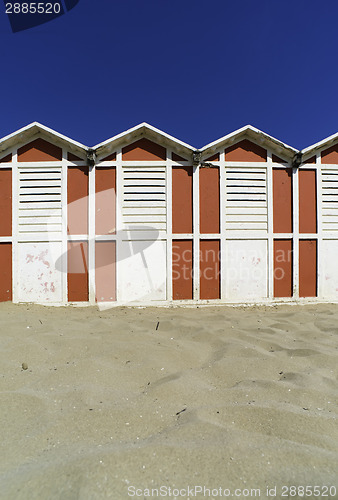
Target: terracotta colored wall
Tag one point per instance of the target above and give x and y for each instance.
(283, 268)
(77, 200)
(330, 155)
(111, 157)
(245, 151)
(182, 269)
(105, 271)
(214, 157)
(310, 160)
(209, 269)
(209, 200)
(176, 157)
(308, 268)
(72, 157)
(105, 188)
(277, 159)
(39, 150)
(5, 272)
(307, 201)
(182, 199)
(144, 150)
(78, 271)
(6, 202)
(6, 159)
(282, 200)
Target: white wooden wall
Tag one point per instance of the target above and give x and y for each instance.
(144, 230)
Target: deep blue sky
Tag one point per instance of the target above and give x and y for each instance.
(197, 70)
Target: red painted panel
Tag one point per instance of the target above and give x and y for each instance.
(111, 157)
(283, 268)
(176, 157)
(39, 150)
(105, 188)
(6, 202)
(78, 271)
(214, 157)
(105, 271)
(6, 159)
(245, 151)
(209, 200)
(282, 200)
(307, 201)
(330, 155)
(72, 157)
(182, 269)
(209, 269)
(182, 199)
(308, 268)
(144, 150)
(310, 160)
(77, 200)
(277, 159)
(5, 272)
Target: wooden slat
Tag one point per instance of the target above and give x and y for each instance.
(246, 190)
(247, 210)
(145, 175)
(244, 175)
(36, 228)
(246, 225)
(146, 197)
(24, 221)
(245, 204)
(246, 218)
(156, 210)
(144, 218)
(34, 205)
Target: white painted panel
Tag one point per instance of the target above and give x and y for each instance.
(246, 199)
(142, 271)
(246, 269)
(39, 280)
(330, 269)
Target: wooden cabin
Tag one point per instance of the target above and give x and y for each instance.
(145, 219)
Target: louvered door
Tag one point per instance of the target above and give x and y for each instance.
(142, 254)
(40, 204)
(39, 233)
(246, 224)
(330, 200)
(144, 198)
(246, 199)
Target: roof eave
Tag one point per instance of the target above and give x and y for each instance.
(139, 131)
(264, 139)
(25, 133)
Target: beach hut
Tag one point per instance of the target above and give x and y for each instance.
(144, 218)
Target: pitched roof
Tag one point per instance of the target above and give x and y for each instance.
(35, 129)
(137, 132)
(253, 133)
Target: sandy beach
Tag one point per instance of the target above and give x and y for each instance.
(114, 403)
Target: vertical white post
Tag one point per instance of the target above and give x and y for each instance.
(169, 184)
(91, 236)
(222, 220)
(15, 213)
(196, 233)
(295, 201)
(64, 218)
(269, 180)
(320, 254)
(119, 220)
